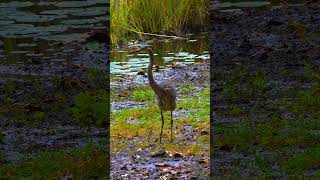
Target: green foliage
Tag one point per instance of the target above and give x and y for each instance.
(91, 109)
(97, 77)
(153, 16)
(309, 159)
(39, 116)
(10, 88)
(259, 82)
(186, 89)
(141, 95)
(307, 101)
(89, 163)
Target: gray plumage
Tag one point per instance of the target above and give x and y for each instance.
(165, 92)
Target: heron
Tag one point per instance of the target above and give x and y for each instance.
(165, 92)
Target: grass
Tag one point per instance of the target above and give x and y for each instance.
(145, 132)
(89, 163)
(142, 95)
(284, 124)
(308, 159)
(91, 109)
(174, 17)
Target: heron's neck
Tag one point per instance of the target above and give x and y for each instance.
(156, 88)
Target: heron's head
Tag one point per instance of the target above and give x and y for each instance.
(141, 48)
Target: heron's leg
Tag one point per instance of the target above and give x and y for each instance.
(161, 126)
(171, 127)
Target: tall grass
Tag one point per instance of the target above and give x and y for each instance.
(157, 16)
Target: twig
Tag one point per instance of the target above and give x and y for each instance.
(152, 34)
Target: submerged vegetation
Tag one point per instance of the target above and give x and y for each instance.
(171, 17)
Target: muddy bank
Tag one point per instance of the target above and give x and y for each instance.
(196, 74)
(260, 58)
(133, 161)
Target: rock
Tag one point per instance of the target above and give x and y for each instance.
(226, 147)
(203, 161)
(177, 155)
(165, 170)
(161, 153)
(275, 22)
(141, 72)
(132, 121)
(161, 165)
(204, 132)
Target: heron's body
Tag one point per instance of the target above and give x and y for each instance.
(166, 94)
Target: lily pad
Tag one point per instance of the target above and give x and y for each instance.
(66, 4)
(64, 37)
(30, 18)
(182, 54)
(252, 4)
(79, 21)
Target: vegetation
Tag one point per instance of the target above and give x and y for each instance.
(284, 125)
(140, 95)
(144, 131)
(91, 109)
(174, 17)
(89, 163)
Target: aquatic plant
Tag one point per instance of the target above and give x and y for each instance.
(153, 16)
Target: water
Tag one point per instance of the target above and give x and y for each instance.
(33, 28)
(194, 49)
(238, 5)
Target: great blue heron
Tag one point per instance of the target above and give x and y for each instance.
(165, 92)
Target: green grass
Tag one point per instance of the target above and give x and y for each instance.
(288, 124)
(146, 131)
(91, 109)
(308, 159)
(142, 95)
(89, 163)
(153, 16)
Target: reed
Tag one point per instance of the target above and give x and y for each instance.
(174, 17)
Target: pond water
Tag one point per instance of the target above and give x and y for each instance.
(239, 5)
(27, 26)
(168, 52)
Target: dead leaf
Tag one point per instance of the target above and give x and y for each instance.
(161, 165)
